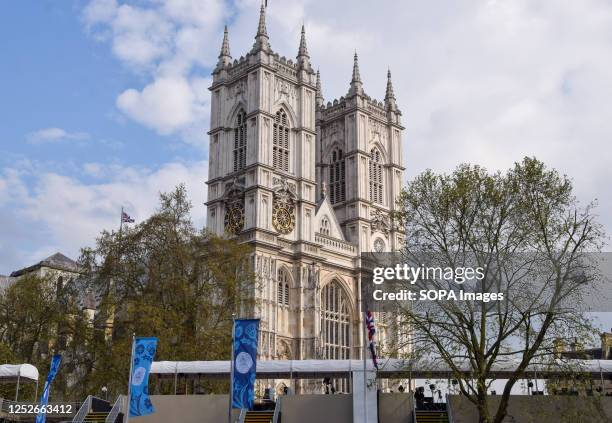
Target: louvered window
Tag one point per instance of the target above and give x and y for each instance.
(337, 184)
(240, 144)
(280, 147)
(376, 177)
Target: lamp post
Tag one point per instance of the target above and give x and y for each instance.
(105, 392)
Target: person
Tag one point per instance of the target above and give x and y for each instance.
(419, 397)
(401, 389)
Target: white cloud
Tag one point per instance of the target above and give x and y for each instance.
(165, 105)
(49, 212)
(484, 81)
(55, 135)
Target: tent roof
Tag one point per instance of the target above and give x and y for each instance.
(11, 372)
(388, 368)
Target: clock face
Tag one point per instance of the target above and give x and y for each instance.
(379, 245)
(234, 219)
(283, 218)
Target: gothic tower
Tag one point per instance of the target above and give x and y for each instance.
(309, 187)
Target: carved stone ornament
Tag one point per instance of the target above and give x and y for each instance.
(283, 209)
(379, 222)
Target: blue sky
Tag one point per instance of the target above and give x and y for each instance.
(104, 103)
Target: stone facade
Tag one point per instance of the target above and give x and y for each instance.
(309, 185)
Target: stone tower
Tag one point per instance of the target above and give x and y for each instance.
(309, 187)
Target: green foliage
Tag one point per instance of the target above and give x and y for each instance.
(161, 277)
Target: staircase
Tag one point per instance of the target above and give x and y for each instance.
(96, 417)
(427, 416)
(259, 417)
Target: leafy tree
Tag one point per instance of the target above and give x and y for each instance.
(527, 230)
(162, 278)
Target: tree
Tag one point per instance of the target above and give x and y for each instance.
(162, 278)
(531, 237)
(35, 319)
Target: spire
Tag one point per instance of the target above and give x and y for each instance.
(303, 49)
(261, 29)
(389, 95)
(225, 57)
(261, 39)
(356, 85)
(319, 97)
(356, 76)
(303, 59)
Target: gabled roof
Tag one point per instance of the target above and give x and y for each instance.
(324, 208)
(57, 261)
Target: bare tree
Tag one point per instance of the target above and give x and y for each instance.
(527, 233)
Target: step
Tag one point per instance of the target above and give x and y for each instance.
(259, 416)
(96, 417)
(431, 417)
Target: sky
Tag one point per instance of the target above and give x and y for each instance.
(105, 103)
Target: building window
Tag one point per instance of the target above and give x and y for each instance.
(283, 288)
(335, 328)
(240, 141)
(325, 227)
(376, 177)
(337, 186)
(280, 147)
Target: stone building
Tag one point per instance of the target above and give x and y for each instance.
(310, 186)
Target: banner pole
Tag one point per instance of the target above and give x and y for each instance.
(231, 387)
(129, 398)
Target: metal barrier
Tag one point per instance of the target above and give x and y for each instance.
(83, 411)
(117, 408)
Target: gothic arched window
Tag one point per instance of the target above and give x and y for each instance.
(325, 227)
(335, 322)
(283, 288)
(336, 328)
(337, 187)
(280, 142)
(240, 141)
(376, 176)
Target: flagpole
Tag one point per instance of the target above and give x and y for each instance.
(127, 411)
(231, 387)
(121, 222)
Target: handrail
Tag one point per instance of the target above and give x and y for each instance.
(242, 415)
(413, 408)
(117, 408)
(79, 417)
(449, 411)
(276, 410)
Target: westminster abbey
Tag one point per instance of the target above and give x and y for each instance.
(310, 185)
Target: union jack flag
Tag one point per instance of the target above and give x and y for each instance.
(125, 218)
(371, 332)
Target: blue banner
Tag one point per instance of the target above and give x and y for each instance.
(244, 361)
(44, 398)
(143, 354)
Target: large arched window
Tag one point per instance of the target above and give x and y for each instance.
(283, 288)
(336, 328)
(280, 147)
(335, 322)
(337, 186)
(376, 176)
(240, 141)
